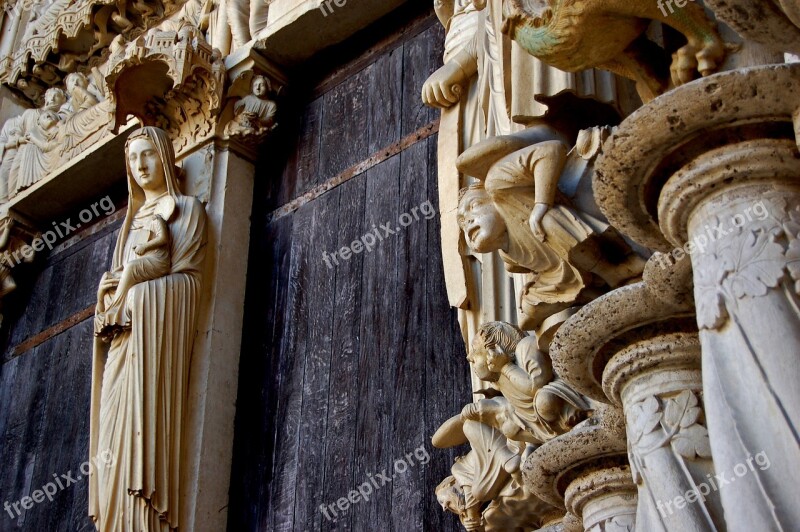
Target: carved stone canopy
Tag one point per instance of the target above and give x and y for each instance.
(59, 37)
(169, 77)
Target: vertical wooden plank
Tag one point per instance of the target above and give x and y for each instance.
(422, 55)
(446, 369)
(340, 438)
(259, 378)
(300, 173)
(378, 346)
(385, 93)
(410, 391)
(316, 381)
(291, 368)
(344, 135)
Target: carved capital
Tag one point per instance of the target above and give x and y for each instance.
(16, 239)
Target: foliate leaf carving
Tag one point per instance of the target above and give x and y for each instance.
(692, 442)
(759, 264)
(644, 418)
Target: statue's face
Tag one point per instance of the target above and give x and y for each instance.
(484, 228)
(479, 360)
(54, 97)
(259, 86)
(146, 166)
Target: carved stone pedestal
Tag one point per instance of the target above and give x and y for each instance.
(585, 470)
(638, 348)
(711, 169)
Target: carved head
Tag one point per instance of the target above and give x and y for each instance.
(54, 98)
(75, 79)
(145, 165)
(259, 86)
(493, 346)
(484, 229)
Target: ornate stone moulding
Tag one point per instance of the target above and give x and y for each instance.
(65, 36)
(586, 471)
(586, 343)
(659, 139)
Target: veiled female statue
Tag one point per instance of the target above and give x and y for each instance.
(143, 345)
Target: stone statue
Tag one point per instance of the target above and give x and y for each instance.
(517, 210)
(141, 360)
(10, 136)
(36, 154)
(254, 115)
(575, 35)
(80, 95)
(246, 18)
(525, 405)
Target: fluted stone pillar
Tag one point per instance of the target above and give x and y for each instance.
(638, 348)
(711, 169)
(586, 472)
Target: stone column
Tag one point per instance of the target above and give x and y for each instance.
(221, 172)
(586, 471)
(711, 169)
(638, 348)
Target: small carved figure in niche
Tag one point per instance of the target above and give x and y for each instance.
(254, 115)
(576, 35)
(80, 98)
(517, 210)
(153, 263)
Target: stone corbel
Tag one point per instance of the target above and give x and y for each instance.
(251, 101)
(586, 472)
(774, 23)
(638, 348)
(720, 184)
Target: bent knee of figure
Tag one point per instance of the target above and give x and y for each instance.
(549, 406)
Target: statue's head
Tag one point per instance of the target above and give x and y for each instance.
(145, 164)
(75, 79)
(259, 86)
(54, 98)
(493, 346)
(484, 229)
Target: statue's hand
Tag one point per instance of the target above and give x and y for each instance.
(443, 89)
(535, 221)
(107, 283)
(471, 412)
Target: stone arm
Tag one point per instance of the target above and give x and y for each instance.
(538, 166)
(535, 372)
(445, 86)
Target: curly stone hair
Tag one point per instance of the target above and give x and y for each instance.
(503, 335)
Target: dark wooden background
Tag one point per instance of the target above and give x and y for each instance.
(345, 370)
(45, 377)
